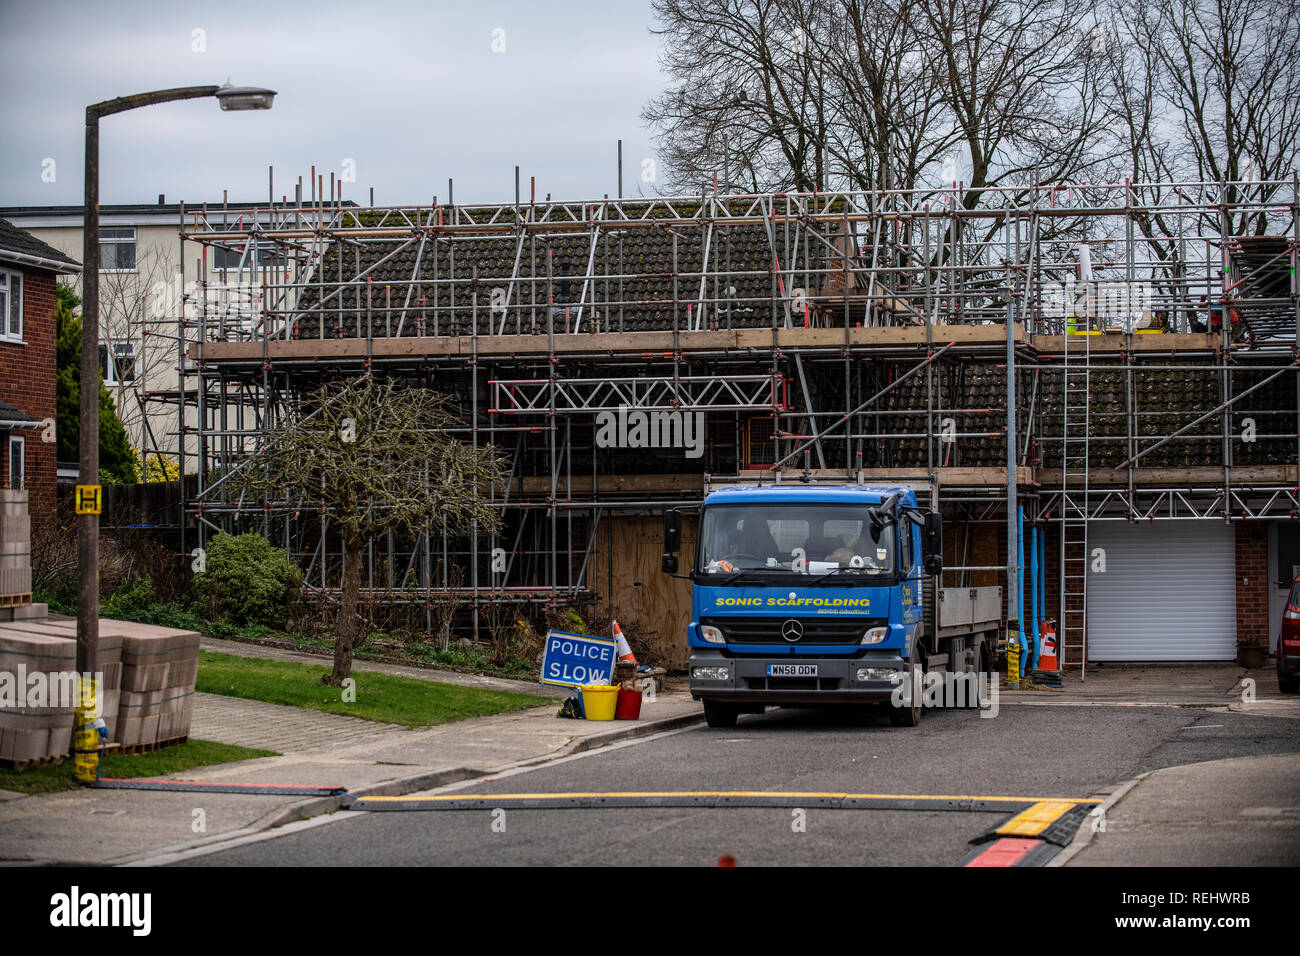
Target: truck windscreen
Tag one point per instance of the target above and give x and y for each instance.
(813, 538)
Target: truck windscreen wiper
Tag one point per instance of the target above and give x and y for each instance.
(823, 577)
(740, 574)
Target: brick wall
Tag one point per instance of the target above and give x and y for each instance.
(27, 383)
(1252, 583)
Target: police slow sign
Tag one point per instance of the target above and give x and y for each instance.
(574, 659)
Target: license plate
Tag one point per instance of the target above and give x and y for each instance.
(791, 670)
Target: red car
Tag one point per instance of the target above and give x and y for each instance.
(1288, 643)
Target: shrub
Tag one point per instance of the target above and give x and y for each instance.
(247, 581)
(136, 600)
(129, 601)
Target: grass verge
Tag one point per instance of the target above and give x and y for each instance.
(380, 697)
(192, 753)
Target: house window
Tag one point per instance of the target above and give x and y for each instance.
(11, 306)
(263, 253)
(121, 370)
(17, 472)
(117, 249)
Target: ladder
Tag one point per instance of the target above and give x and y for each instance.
(1073, 626)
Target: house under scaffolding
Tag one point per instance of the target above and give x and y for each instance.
(821, 338)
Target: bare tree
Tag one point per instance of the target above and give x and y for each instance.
(377, 456)
(1020, 87)
(1209, 90)
(748, 98)
(817, 94)
(891, 125)
(445, 605)
(139, 341)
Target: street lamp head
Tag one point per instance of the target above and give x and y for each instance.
(244, 97)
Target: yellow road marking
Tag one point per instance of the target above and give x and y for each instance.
(1037, 801)
(1032, 822)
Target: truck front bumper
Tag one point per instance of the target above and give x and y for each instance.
(869, 679)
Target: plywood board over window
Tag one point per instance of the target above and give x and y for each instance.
(650, 606)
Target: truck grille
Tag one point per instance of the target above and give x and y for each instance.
(816, 630)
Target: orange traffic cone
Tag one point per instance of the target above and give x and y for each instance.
(624, 650)
(1047, 657)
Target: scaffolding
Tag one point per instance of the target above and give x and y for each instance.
(821, 337)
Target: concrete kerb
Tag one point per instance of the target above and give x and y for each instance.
(1085, 832)
(429, 780)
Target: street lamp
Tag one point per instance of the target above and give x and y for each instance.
(230, 98)
(244, 97)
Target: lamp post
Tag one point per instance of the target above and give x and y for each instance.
(230, 98)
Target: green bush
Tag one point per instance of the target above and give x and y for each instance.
(136, 600)
(61, 597)
(247, 581)
(130, 600)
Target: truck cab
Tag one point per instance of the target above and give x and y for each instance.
(807, 595)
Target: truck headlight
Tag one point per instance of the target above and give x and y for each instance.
(710, 673)
(880, 673)
(875, 635)
(711, 634)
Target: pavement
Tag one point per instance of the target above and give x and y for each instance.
(89, 826)
(1242, 811)
(1214, 685)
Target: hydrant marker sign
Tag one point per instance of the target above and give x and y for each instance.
(571, 660)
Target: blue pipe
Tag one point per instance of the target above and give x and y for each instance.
(1020, 590)
(1033, 578)
(1042, 573)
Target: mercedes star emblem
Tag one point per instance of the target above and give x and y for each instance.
(792, 630)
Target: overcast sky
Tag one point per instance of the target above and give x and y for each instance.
(411, 90)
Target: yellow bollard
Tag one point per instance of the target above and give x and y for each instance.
(90, 731)
(1013, 653)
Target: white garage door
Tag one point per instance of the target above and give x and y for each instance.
(1168, 592)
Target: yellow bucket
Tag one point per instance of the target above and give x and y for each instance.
(599, 701)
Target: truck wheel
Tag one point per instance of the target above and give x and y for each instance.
(719, 714)
(910, 715)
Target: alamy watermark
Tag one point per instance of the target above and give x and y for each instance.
(949, 689)
(1074, 298)
(41, 689)
(74, 909)
(634, 428)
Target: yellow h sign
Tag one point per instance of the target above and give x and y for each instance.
(89, 499)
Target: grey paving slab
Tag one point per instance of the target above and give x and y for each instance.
(254, 723)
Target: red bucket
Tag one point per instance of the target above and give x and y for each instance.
(629, 704)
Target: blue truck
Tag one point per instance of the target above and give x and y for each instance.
(808, 595)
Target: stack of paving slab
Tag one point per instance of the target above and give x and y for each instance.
(108, 661)
(159, 667)
(147, 688)
(59, 712)
(24, 612)
(37, 694)
(156, 668)
(15, 549)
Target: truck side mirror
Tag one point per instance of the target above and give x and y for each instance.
(932, 543)
(672, 540)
